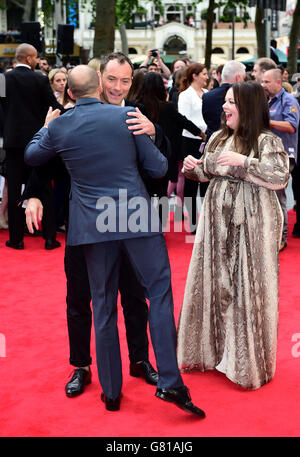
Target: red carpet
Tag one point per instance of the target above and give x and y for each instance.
(34, 362)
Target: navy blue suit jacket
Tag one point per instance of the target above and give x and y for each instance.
(212, 102)
(108, 199)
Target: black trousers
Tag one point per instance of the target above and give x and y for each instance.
(17, 174)
(191, 146)
(79, 314)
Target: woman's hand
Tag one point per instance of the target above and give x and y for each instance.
(203, 136)
(190, 162)
(232, 159)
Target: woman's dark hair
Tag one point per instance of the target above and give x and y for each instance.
(136, 86)
(193, 69)
(153, 94)
(66, 97)
(177, 77)
(254, 118)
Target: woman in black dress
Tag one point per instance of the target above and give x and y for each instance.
(154, 98)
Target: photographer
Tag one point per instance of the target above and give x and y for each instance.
(155, 55)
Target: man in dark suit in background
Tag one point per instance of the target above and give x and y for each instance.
(25, 105)
(102, 158)
(213, 100)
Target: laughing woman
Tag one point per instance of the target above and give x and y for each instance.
(229, 316)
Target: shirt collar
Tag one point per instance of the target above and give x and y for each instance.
(87, 101)
(23, 65)
(278, 95)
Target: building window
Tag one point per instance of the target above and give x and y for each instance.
(174, 45)
(242, 51)
(217, 51)
(174, 14)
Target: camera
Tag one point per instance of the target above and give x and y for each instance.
(154, 52)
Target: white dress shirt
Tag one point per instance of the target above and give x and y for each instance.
(190, 105)
(23, 65)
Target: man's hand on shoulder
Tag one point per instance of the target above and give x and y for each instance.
(51, 115)
(140, 124)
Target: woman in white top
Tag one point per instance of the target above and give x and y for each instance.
(191, 91)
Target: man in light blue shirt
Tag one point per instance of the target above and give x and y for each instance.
(284, 122)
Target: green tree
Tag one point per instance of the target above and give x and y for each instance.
(25, 5)
(105, 20)
(29, 8)
(210, 19)
(229, 5)
(260, 29)
(111, 14)
(124, 13)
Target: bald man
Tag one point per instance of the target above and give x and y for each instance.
(25, 105)
(284, 122)
(102, 157)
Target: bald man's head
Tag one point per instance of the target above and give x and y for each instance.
(272, 82)
(83, 81)
(27, 54)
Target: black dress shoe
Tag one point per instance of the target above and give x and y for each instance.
(19, 245)
(80, 378)
(110, 404)
(35, 232)
(52, 244)
(181, 397)
(144, 370)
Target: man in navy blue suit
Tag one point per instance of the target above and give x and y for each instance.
(116, 79)
(213, 100)
(110, 210)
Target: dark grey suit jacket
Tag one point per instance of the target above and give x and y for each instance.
(108, 198)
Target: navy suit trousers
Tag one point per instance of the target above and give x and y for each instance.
(149, 258)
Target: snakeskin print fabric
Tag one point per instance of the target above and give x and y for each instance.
(229, 316)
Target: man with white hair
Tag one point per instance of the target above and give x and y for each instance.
(233, 71)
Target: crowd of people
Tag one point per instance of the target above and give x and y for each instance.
(224, 134)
